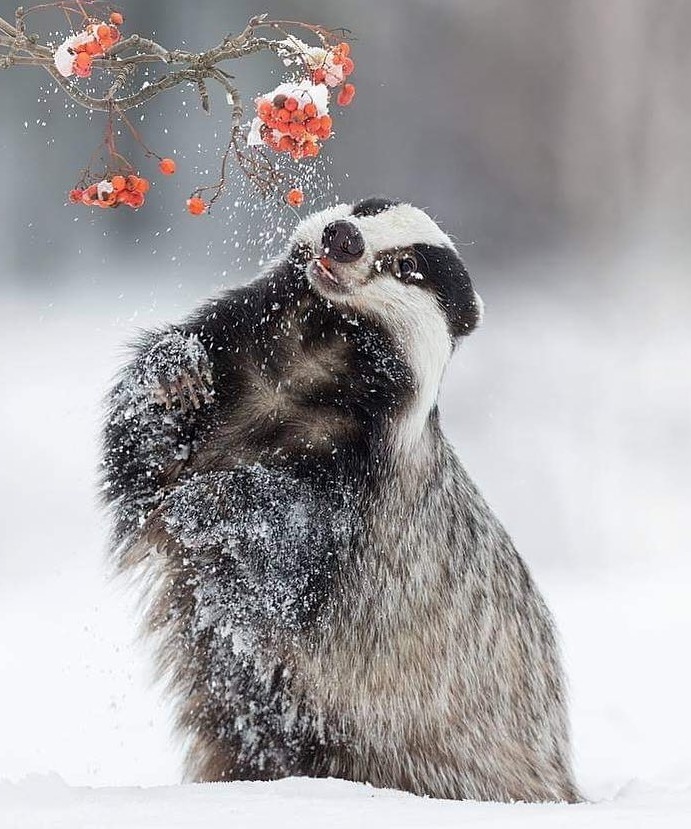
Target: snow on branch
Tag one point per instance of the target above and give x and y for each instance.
(292, 119)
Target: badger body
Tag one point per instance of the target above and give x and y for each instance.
(329, 592)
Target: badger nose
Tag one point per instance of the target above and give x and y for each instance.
(342, 241)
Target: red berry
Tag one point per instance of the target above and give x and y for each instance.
(75, 196)
(167, 166)
(90, 195)
(83, 60)
(264, 110)
(313, 125)
(135, 199)
(295, 197)
(346, 95)
(325, 125)
(117, 19)
(196, 206)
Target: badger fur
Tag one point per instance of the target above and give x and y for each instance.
(329, 592)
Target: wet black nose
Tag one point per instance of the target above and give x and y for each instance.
(342, 241)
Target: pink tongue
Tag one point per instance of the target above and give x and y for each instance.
(326, 264)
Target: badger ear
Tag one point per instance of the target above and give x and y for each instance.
(373, 205)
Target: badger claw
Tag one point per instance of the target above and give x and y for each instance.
(179, 394)
(191, 390)
(162, 394)
(202, 385)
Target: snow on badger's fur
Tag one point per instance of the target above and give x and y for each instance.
(331, 594)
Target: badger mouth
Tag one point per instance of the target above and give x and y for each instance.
(326, 279)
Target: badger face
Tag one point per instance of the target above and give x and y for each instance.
(392, 264)
(384, 258)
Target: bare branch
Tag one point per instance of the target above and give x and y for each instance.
(117, 68)
(20, 60)
(197, 67)
(121, 78)
(7, 29)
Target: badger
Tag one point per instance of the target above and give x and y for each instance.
(329, 593)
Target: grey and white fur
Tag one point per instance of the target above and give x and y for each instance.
(329, 592)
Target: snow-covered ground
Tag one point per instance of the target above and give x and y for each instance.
(81, 729)
(301, 803)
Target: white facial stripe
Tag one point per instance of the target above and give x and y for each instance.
(400, 226)
(418, 324)
(310, 230)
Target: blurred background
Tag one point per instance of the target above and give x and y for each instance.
(551, 139)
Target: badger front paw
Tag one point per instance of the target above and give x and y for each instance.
(176, 372)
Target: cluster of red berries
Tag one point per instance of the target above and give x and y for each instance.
(294, 117)
(119, 189)
(75, 56)
(129, 189)
(293, 126)
(112, 192)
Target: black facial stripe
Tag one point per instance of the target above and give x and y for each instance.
(445, 274)
(373, 206)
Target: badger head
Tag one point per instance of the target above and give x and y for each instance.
(391, 263)
(382, 258)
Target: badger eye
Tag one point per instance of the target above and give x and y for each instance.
(407, 266)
